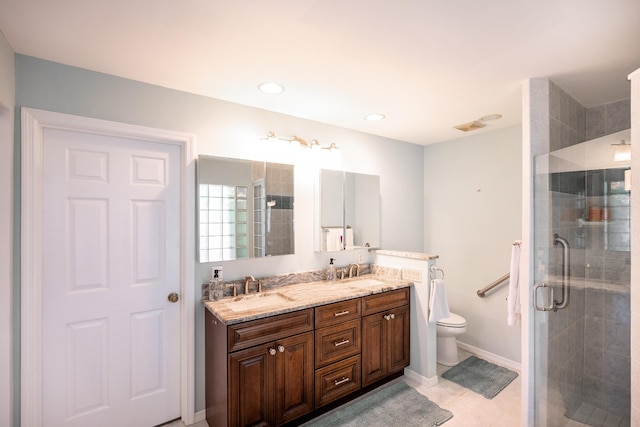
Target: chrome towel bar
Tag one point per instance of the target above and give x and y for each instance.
(435, 270)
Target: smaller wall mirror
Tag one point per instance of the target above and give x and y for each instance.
(245, 209)
(349, 211)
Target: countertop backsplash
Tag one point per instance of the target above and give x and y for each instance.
(272, 282)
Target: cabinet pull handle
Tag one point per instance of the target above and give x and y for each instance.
(341, 313)
(281, 348)
(341, 381)
(339, 343)
(272, 351)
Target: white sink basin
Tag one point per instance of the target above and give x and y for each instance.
(258, 301)
(361, 283)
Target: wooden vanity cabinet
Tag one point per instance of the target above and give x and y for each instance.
(260, 372)
(271, 371)
(338, 344)
(385, 334)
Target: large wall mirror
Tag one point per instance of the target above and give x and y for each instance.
(349, 211)
(245, 209)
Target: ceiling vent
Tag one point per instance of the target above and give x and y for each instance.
(467, 127)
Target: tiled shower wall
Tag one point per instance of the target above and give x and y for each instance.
(280, 223)
(589, 349)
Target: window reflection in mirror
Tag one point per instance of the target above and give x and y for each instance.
(349, 211)
(245, 209)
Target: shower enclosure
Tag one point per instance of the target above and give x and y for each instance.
(581, 271)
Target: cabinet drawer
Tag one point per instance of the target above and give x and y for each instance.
(330, 314)
(337, 342)
(385, 301)
(337, 380)
(254, 332)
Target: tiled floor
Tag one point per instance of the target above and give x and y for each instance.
(588, 415)
(469, 409)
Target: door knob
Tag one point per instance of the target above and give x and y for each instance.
(173, 297)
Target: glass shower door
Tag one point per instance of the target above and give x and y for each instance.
(581, 270)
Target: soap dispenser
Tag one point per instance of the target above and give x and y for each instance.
(331, 271)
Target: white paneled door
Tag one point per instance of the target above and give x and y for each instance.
(111, 245)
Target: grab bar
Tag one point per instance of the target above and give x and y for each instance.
(481, 293)
(564, 302)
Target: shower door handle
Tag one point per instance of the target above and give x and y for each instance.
(564, 302)
(547, 288)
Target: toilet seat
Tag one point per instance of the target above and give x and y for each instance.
(453, 321)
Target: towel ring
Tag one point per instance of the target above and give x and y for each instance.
(435, 270)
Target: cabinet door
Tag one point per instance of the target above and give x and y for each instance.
(385, 344)
(374, 348)
(294, 374)
(251, 386)
(398, 339)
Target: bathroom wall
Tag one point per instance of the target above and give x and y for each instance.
(472, 216)
(231, 130)
(7, 100)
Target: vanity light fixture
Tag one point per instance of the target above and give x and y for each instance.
(270, 88)
(299, 142)
(374, 117)
(331, 147)
(271, 137)
(622, 152)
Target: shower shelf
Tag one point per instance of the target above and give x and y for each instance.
(582, 222)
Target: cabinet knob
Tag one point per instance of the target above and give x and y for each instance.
(387, 317)
(272, 351)
(281, 348)
(393, 316)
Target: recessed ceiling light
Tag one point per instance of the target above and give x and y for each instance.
(271, 88)
(490, 117)
(374, 117)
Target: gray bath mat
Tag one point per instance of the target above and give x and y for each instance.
(485, 378)
(393, 405)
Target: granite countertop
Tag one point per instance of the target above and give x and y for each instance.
(285, 299)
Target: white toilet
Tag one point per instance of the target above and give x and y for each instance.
(447, 330)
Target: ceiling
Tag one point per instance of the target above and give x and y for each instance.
(428, 65)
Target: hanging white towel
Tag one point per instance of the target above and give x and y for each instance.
(513, 299)
(349, 241)
(438, 304)
(333, 238)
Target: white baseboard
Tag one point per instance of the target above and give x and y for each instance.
(201, 416)
(422, 380)
(492, 357)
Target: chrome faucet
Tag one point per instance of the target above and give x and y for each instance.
(351, 267)
(247, 281)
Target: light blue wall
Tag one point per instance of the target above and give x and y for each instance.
(231, 130)
(473, 199)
